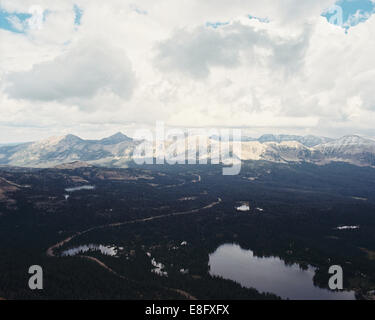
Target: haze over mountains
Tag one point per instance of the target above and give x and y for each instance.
(117, 150)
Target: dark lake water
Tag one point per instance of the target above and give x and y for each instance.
(271, 274)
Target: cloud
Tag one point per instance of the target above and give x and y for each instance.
(84, 71)
(195, 52)
(121, 66)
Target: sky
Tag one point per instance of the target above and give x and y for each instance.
(93, 68)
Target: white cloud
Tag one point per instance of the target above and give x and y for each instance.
(296, 74)
(81, 72)
(16, 23)
(196, 52)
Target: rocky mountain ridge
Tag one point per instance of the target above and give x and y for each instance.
(117, 150)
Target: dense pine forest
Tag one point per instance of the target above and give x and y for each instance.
(176, 217)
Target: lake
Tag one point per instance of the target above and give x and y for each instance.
(80, 188)
(105, 250)
(270, 274)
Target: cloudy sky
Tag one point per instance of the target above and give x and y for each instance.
(93, 67)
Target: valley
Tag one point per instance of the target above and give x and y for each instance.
(138, 213)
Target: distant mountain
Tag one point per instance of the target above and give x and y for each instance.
(353, 149)
(113, 151)
(115, 139)
(117, 151)
(308, 141)
(10, 144)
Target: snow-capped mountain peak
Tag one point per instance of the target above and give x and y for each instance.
(117, 150)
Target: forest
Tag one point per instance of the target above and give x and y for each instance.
(167, 220)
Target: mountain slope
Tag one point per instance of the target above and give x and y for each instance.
(353, 149)
(308, 141)
(117, 150)
(65, 149)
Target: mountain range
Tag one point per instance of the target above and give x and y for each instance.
(117, 150)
